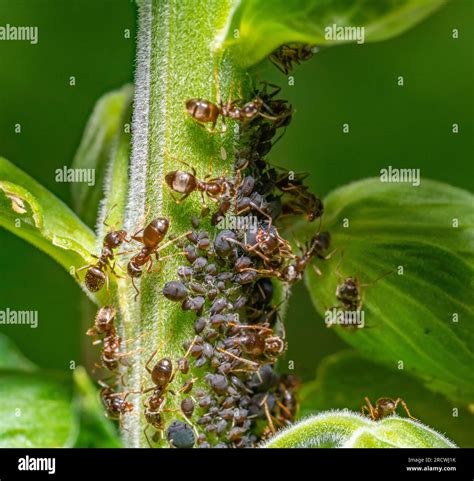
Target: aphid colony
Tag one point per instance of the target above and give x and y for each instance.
(226, 283)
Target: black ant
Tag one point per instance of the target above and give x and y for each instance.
(294, 53)
(384, 407)
(114, 402)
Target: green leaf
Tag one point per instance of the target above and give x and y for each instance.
(36, 410)
(33, 213)
(345, 378)
(264, 25)
(343, 429)
(418, 321)
(96, 431)
(104, 147)
(11, 357)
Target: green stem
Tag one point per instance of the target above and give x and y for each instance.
(176, 61)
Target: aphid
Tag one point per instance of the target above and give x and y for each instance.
(384, 407)
(285, 56)
(175, 291)
(180, 435)
(187, 407)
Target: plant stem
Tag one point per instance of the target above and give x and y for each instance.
(175, 62)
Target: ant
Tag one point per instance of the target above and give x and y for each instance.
(115, 402)
(103, 323)
(384, 407)
(286, 55)
(162, 375)
(204, 111)
(186, 182)
(96, 275)
(152, 235)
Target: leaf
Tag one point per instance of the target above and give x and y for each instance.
(102, 142)
(345, 378)
(36, 410)
(410, 319)
(33, 213)
(96, 431)
(262, 26)
(11, 357)
(343, 429)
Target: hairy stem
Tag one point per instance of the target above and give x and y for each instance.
(176, 61)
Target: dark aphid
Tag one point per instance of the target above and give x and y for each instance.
(243, 262)
(180, 435)
(190, 254)
(193, 237)
(246, 277)
(218, 383)
(185, 272)
(223, 246)
(197, 288)
(193, 304)
(195, 222)
(200, 325)
(183, 365)
(175, 291)
(384, 407)
(200, 263)
(218, 305)
(187, 406)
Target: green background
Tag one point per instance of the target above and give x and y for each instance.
(407, 126)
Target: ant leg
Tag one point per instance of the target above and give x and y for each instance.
(364, 409)
(81, 269)
(370, 408)
(377, 279)
(248, 248)
(146, 435)
(147, 364)
(267, 413)
(404, 404)
(237, 358)
(136, 289)
(104, 222)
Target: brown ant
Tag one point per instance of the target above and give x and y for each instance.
(103, 323)
(152, 235)
(115, 402)
(384, 407)
(96, 275)
(186, 182)
(205, 112)
(294, 53)
(162, 375)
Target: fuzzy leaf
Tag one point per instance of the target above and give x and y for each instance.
(345, 378)
(33, 213)
(100, 142)
(36, 410)
(343, 429)
(418, 321)
(262, 26)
